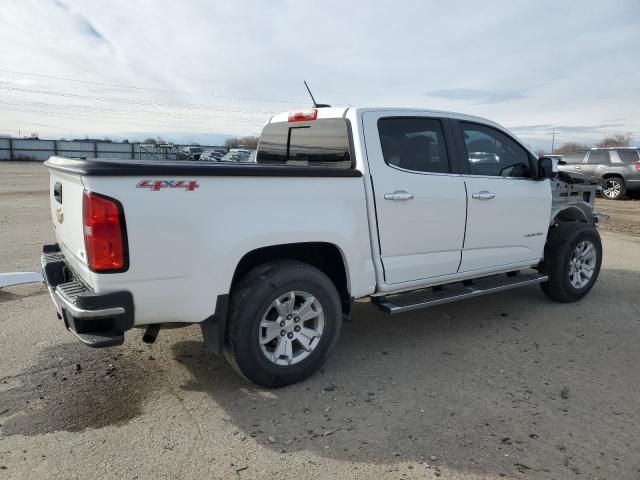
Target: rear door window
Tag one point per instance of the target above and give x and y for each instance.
(628, 156)
(598, 156)
(323, 142)
(415, 144)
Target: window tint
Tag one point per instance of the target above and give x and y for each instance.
(323, 142)
(628, 156)
(598, 156)
(573, 157)
(491, 152)
(413, 144)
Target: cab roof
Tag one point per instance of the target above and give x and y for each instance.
(341, 112)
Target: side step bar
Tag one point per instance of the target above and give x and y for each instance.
(429, 297)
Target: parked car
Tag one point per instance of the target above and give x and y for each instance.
(618, 169)
(212, 155)
(192, 153)
(342, 204)
(240, 155)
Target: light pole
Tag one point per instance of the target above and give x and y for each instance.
(553, 140)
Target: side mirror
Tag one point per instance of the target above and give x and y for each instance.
(547, 168)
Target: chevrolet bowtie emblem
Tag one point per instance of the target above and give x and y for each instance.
(59, 215)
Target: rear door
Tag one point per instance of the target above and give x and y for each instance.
(420, 204)
(508, 210)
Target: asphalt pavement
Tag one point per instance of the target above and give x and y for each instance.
(509, 385)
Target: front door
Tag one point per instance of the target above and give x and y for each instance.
(508, 209)
(420, 205)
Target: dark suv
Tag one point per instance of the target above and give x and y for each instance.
(617, 168)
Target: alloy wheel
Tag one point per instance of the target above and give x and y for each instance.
(291, 328)
(582, 264)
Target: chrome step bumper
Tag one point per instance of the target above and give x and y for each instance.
(98, 320)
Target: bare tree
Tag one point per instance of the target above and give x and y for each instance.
(245, 142)
(617, 140)
(155, 141)
(570, 147)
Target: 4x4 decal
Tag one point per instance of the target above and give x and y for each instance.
(156, 185)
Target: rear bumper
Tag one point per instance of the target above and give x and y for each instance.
(98, 320)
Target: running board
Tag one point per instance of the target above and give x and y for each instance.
(429, 297)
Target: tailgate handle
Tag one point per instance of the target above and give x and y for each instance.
(57, 192)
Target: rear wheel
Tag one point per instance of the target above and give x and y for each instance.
(284, 321)
(613, 188)
(572, 259)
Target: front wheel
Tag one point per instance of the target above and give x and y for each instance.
(284, 321)
(572, 259)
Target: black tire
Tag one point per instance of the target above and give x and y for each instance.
(561, 244)
(613, 182)
(252, 298)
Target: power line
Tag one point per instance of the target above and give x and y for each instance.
(160, 90)
(134, 101)
(125, 119)
(81, 109)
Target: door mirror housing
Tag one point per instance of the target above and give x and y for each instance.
(547, 167)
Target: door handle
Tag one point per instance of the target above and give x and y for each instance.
(483, 195)
(577, 167)
(398, 195)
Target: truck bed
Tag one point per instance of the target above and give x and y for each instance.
(187, 230)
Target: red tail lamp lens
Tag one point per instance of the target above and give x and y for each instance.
(104, 233)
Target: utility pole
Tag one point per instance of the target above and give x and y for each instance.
(553, 140)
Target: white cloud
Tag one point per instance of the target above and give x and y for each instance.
(550, 63)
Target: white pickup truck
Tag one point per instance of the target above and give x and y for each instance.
(411, 208)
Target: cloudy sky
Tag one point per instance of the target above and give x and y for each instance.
(193, 70)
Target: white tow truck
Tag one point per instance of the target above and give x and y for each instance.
(411, 208)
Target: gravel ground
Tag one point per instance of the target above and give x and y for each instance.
(624, 215)
(510, 385)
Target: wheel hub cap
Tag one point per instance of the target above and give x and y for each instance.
(291, 328)
(582, 264)
(611, 188)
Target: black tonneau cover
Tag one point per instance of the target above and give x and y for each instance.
(100, 167)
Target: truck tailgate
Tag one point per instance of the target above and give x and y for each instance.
(66, 191)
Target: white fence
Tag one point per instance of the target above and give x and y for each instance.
(30, 149)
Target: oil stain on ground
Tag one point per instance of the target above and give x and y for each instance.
(73, 388)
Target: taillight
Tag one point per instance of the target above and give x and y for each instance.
(303, 115)
(105, 236)
(637, 165)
